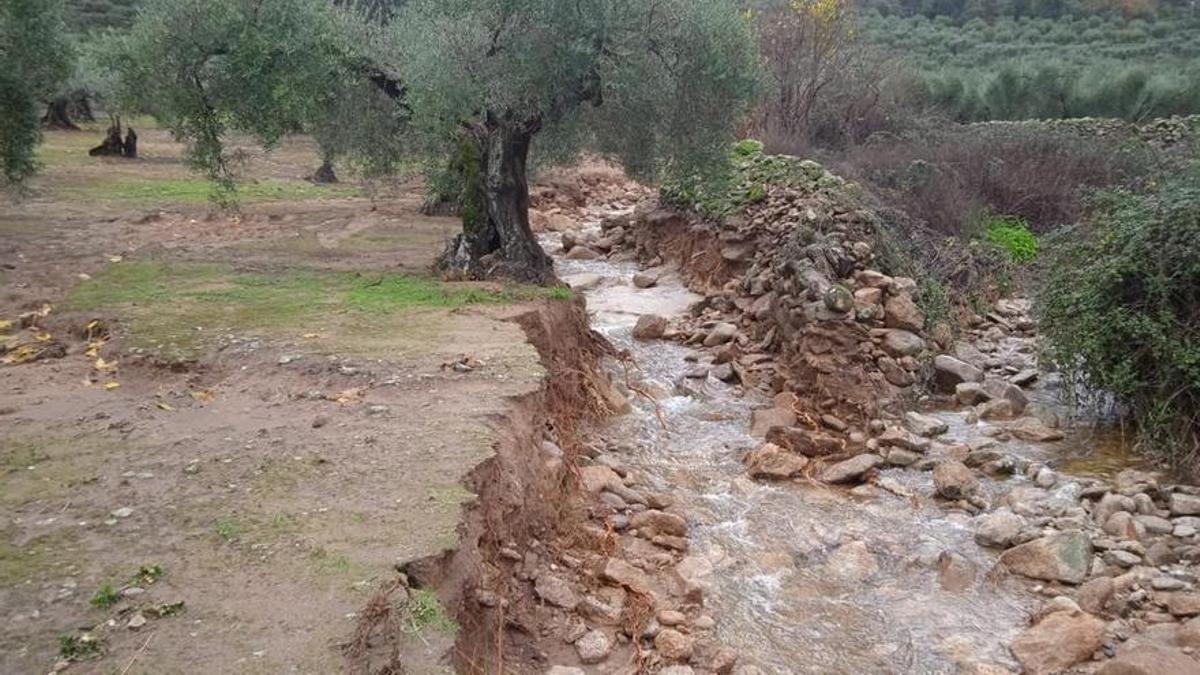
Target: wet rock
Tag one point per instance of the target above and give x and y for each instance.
(895, 437)
(804, 441)
(773, 462)
(677, 670)
(764, 419)
(565, 670)
(1184, 505)
(1109, 504)
(953, 480)
(955, 572)
(724, 373)
(650, 327)
(659, 522)
(720, 334)
(901, 312)
(902, 343)
(901, 457)
(851, 470)
(584, 282)
(1045, 477)
(693, 574)
(1150, 659)
(673, 645)
(671, 617)
(949, 372)
(643, 280)
(996, 409)
(1121, 559)
(1064, 556)
(1188, 634)
(924, 425)
(998, 529)
(556, 592)
(581, 252)
(1024, 378)
(593, 647)
(598, 477)
(1002, 390)
(1058, 642)
(597, 610)
(1033, 430)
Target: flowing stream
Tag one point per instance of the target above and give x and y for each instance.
(807, 578)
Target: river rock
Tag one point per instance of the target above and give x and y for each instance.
(851, 470)
(902, 343)
(1003, 390)
(851, 563)
(804, 441)
(894, 373)
(924, 425)
(955, 572)
(998, 529)
(621, 573)
(953, 480)
(673, 645)
(1058, 642)
(901, 312)
(556, 591)
(650, 327)
(720, 334)
(764, 419)
(1184, 603)
(1150, 659)
(1123, 524)
(677, 670)
(593, 647)
(773, 462)
(895, 437)
(1064, 556)
(1184, 505)
(1109, 504)
(839, 299)
(949, 372)
(969, 393)
(581, 252)
(565, 670)
(1094, 594)
(659, 522)
(1033, 430)
(643, 280)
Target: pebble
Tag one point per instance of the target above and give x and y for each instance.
(123, 512)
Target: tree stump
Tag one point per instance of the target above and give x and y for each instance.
(325, 174)
(130, 150)
(112, 146)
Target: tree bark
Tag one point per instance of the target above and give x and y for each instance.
(58, 115)
(325, 174)
(497, 240)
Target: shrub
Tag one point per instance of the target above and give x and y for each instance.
(1120, 305)
(1012, 234)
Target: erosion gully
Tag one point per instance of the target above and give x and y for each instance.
(807, 578)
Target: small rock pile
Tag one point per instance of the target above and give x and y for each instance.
(640, 592)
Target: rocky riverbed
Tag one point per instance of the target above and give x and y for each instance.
(834, 485)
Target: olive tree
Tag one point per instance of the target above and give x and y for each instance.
(35, 59)
(658, 84)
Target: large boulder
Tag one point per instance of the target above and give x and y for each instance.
(998, 529)
(953, 480)
(1058, 642)
(852, 470)
(650, 327)
(949, 372)
(1150, 659)
(1003, 390)
(902, 343)
(925, 425)
(1064, 556)
(773, 462)
(1184, 505)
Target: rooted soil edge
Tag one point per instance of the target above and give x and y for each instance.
(522, 494)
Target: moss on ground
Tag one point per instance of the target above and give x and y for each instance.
(139, 190)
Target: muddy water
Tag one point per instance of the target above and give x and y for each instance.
(806, 579)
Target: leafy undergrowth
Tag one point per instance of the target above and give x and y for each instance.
(176, 309)
(1013, 236)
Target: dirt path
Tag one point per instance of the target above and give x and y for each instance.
(268, 416)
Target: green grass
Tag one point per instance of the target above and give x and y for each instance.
(176, 309)
(229, 529)
(199, 190)
(79, 647)
(105, 597)
(425, 612)
(1012, 235)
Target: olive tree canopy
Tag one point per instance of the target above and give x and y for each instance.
(660, 85)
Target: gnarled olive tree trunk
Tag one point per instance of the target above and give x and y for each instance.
(497, 240)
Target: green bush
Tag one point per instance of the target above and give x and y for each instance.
(1120, 306)
(1012, 234)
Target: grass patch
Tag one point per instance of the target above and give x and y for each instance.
(19, 564)
(1012, 235)
(424, 611)
(198, 190)
(105, 597)
(176, 309)
(60, 465)
(229, 529)
(79, 647)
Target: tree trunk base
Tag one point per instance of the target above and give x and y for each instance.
(325, 175)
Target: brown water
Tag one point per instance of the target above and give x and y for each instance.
(805, 578)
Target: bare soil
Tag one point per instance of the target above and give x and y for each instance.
(274, 456)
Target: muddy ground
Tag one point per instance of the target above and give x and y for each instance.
(239, 423)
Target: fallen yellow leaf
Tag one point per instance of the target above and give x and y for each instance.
(43, 337)
(115, 259)
(348, 395)
(22, 354)
(202, 396)
(311, 336)
(103, 365)
(5, 324)
(163, 405)
(111, 385)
